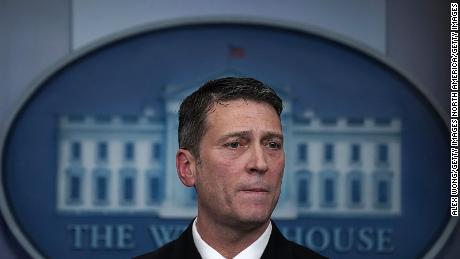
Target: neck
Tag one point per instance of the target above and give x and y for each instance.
(226, 239)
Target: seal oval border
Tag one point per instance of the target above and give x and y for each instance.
(229, 20)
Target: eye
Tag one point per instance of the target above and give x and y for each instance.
(233, 145)
(274, 145)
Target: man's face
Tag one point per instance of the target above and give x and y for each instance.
(238, 176)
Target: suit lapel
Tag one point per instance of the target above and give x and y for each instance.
(277, 246)
(185, 246)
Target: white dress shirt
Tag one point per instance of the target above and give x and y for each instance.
(254, 251)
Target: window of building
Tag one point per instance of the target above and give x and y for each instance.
(102, 151)
(329, 191)
(328, 153)
(156, 151)
(101, 186)
(103, 119)
(75, 151)
(355, 153)
(382, 186)
(74, 185)
(383, 122)
(76, 118)
(130, 119)
(302, 191)
(127, 190)
(355, 121)
(302, 152)
(154, 189)
(382, 192)
(129, 151)
(303, 188)
(329, 185)
(382, 154)
(355, 189)
(329, 121)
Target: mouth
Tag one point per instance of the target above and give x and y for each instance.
(255, 196)
(255, 189)
(261, 190)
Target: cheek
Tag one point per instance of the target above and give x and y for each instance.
(277, 162)
(224, 168)
(278, 170)
(213, 177)
(224, 175)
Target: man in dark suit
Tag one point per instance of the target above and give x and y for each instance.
(231, 151)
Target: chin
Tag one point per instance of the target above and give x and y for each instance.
(255, 217)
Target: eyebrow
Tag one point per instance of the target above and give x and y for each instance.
(238, 134)
(246, 134)
(272, 135)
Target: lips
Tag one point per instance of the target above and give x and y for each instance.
(255, 190)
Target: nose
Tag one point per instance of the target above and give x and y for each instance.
(257, 161)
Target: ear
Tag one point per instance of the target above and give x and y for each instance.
(185, 165)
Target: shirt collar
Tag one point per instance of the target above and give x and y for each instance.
(255, 250)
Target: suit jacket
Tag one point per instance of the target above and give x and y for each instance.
(278, 247)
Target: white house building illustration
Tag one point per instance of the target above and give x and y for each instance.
(126, 164)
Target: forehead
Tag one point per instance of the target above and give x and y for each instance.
(239, 113)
